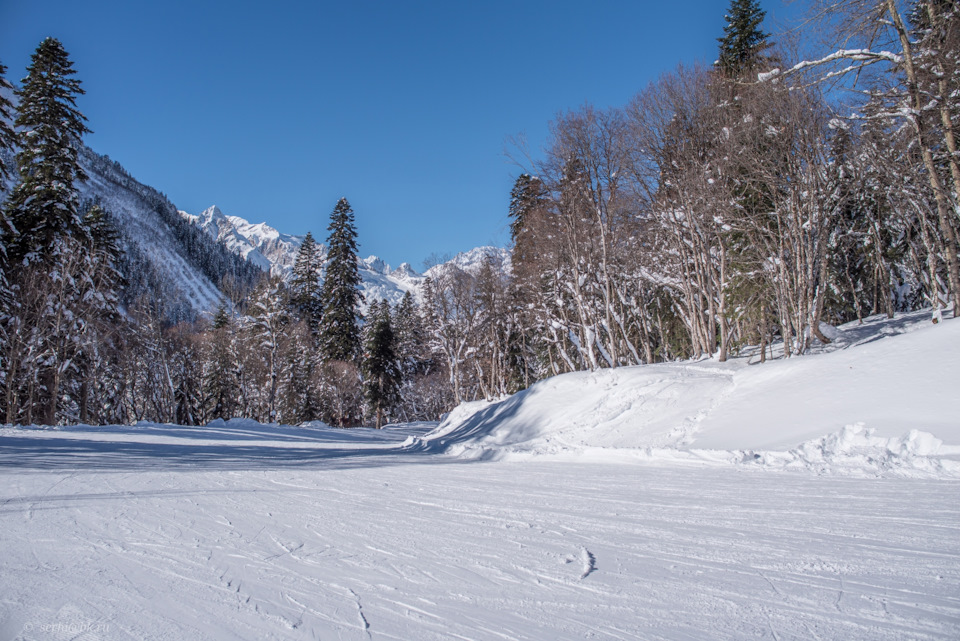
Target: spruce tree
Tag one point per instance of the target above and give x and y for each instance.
(411, 339)
(743, 40)
(381, 371)
(44, 207)
(220, 384)
(7, 141)
(527, 194)
(341, 297)
(7, 136)
(305, 284)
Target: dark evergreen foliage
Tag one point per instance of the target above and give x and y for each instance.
(341, 297)
(44, 205)
(381, 370)
(743, 40)
(305, 284)
(528, 193)
(7, 135)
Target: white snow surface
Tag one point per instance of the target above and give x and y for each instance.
(587, 507)
(877, 400)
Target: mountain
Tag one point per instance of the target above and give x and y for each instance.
(167, 261)
(271, 250)
(179, 261)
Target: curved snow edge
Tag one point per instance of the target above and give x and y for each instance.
(852, 451)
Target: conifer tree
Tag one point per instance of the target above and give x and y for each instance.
(411, 339)
(220, 379)
(44, 206)
(305, 284)
(7, 136)
(527, 194)
(381, 371)
(341, 297)
(7, 141)
(98, 282)
(742, 40)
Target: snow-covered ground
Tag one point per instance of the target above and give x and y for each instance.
(682, 501)
(880, 399)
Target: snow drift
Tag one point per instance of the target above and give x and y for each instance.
(877, 400)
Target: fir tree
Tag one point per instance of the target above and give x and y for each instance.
(411, 339)
(527, 194)
(7, 141)
(220, 383)
(381, 372)
(44, 206)
(305, 284)
(742, 40)
(7, 135)
(341, 297)
(97, 303)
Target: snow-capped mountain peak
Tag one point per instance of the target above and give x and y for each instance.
(259, 243)
(274, 251)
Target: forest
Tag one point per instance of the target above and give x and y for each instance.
(736, 204)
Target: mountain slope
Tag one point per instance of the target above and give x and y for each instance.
(271, 250)
(173, 262)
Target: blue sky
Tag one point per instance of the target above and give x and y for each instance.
(273, 111)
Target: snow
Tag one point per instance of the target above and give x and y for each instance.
(866, 393)
(798, 499)
(134, 206)
(276, 252)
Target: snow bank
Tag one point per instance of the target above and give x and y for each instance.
(876, 401)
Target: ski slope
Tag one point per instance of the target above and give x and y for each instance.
(668, 502)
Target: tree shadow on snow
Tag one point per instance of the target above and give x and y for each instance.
(167, 447)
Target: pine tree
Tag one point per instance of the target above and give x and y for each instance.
(381, 372)
(97, 303)
(341, 297)
(305, 284)
(44, 206)
(742, 41)
(52, 260)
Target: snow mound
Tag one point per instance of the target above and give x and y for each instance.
(853, 451)
(876, 400)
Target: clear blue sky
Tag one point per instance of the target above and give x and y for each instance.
(275, 110)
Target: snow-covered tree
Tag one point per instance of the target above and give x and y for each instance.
(44, 205)
(305, 284)
(340, 295)
(381, 370)
(7, 135)
(220, 381)
(270, 321)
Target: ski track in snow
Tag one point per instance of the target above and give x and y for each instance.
(411, 546)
